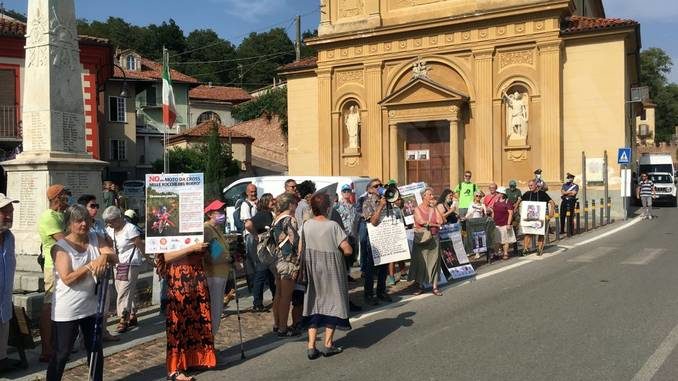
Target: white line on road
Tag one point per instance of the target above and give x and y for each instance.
(547, 255)
(655, 362)
(592, 255)
(501, 270)
(644, 257)
(613, 231)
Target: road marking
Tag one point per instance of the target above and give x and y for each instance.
(502, 269)
(593, 254)
(547, 255)
(613, 231)
(655, 362)
(644, 257)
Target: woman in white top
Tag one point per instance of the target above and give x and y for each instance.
(477, 209)
(129, 245)
(78, 259)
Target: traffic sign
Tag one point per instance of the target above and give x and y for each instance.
(624, 156)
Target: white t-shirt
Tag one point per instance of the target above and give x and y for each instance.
(247, 210)
(78, 300)
(476, 210)
(124, 243)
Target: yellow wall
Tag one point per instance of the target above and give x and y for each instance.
(594, 87)
(302, 111)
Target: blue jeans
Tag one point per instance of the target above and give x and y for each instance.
(368, 267)
(260, 279)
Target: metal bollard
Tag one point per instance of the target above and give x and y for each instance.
(593, 214)
(609, 208)
(586, 216)
(602, 212)
(557, 218)
(568, 225)
(578, 218)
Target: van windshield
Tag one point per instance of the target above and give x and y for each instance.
(647, 168)
(660, 178)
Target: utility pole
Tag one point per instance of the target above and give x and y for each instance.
(241, 75)
(297, 41)
(165, 156)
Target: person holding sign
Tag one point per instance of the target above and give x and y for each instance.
(425, 265)
(537, 195)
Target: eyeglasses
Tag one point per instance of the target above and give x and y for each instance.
(292, 186)
(93, 206)
(377, 185)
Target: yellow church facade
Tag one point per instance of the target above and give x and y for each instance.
(421, 90)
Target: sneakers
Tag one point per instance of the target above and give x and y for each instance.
(403, 277)
(331, 351)
(312, 353)
(390, 280)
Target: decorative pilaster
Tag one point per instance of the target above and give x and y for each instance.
(325, 122)
(375, 149)
(550, 70)
(394, 152)
(455, 152)
(484, 155)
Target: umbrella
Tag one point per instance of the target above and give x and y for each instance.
(330, 190)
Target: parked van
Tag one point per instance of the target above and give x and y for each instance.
(135, 192)
(660, 169)
(275, 185)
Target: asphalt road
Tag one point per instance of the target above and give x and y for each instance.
(602, 310)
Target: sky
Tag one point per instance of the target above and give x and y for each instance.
(235, 19)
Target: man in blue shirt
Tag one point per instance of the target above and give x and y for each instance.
(7, 268)
(568, 195)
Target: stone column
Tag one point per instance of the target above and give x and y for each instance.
(551, 150)
(375, 149)
(325, 122)
(455, 152)
(53, 129)
(394, 152)
(483, 144)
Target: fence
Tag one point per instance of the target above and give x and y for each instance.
(9, 122)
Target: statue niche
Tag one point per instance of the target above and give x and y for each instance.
(516, 101)
(352, 125)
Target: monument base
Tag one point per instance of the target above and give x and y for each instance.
(28, 177)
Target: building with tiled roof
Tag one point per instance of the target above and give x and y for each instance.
(132, 110)
(96, 55)
(269, 149)
(209, 101)
(241, 143)
(495, 87)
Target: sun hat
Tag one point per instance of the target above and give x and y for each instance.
(4, 200)
(214, 205)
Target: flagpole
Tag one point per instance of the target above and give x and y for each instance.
(165, 161)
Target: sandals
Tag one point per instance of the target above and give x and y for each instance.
(122, 326)
(133, 321)
(177, 376)
(437, 292)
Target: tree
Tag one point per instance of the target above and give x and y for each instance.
(217, 49)
(276, 48)
(655, 65)
(308, 51)
(272, 102)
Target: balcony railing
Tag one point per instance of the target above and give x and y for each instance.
(9, 122)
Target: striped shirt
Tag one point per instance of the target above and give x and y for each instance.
(646, 187)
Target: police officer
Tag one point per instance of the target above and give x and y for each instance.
(541, 184)
(568, 194)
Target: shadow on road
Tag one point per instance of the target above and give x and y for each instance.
(372, 333)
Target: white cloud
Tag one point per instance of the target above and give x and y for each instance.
(251, 10)
(644, 11)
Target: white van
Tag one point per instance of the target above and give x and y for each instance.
(660, 169)
(275, 185)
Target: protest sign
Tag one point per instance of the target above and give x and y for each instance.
(411, 195)
(453, 252)
(479, 242)
(388, 241)
(533, 217)
(174, 211)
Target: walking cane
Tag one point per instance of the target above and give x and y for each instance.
(237, 310)
(99, 321)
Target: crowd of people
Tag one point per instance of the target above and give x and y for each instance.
(312, 240)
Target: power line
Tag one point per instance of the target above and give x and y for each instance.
(249, 68)
(233, 59)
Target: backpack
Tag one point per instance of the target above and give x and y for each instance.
(267, 246)
(237, 222)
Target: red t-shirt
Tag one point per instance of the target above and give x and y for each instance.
(490, 199)
(501, 212)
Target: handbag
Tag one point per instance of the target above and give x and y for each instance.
(427, 235)
(122, 269)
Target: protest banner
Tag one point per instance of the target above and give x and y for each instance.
(533, 217)
(479, 242)
(453, 252)
(174, 211)
(411, 196)
(388, 241)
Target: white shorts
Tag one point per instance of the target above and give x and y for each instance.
(506, 234)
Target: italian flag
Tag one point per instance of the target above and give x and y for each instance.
(169, 110)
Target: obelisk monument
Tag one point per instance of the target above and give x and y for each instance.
(53, 123)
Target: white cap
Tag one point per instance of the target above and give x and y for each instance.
(4, 200)
(501, 190)
(130, 213)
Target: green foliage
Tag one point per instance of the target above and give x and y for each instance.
(273, 102)
(219, 50)
(279, 50)
(215, 177)
(655, 65)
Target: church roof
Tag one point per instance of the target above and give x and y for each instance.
(219, 93)
(304, 63)
(581, 24)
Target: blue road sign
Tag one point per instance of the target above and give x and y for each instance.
(624, 156)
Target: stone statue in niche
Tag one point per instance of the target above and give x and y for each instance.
(352, 122)
(516, 118)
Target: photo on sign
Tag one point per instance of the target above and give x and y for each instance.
(411, 196)
(533, 217)
(162, 218)
(409, 205)
(479, 242)
(448, 255)
(411, 155)
(423, 154)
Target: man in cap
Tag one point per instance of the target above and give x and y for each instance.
(7, 269)
(372, 213)
(512, 192)
(568, 195)
(541, 184)
(51, 229)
